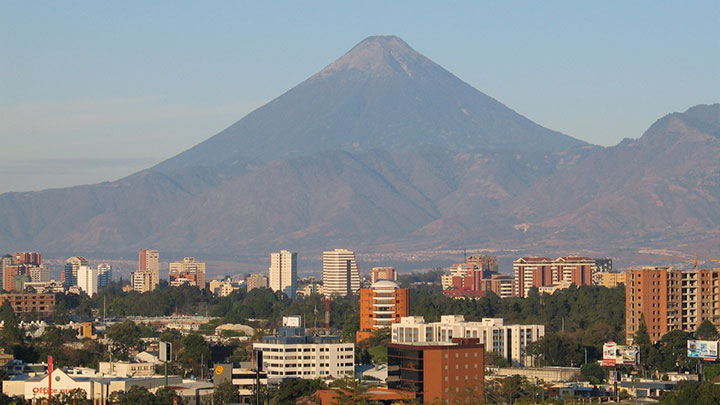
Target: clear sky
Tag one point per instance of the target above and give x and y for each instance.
(93, 91)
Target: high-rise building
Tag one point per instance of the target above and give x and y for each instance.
(69, 275)
(256, 281)
(574, 269)
(341, 275)
(383, 273)
(87, 279)
(670, 299)
(381, 305)
(484, 262)
(17, 268)
(189, 271)
(438, 372)
(293, 354)
(5, 261)
(40, 274)
(508, 341)
(149, 261)
(282, 274)
(142, 281)
(104, 271)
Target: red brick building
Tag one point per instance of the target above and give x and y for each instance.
(438, 372)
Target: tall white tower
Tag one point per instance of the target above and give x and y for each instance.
(283, 272)
(87, 279)
(341, 275)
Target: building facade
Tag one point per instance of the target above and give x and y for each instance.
(27, 303)
(341, 275)
(578, 270)
(383, 273)
(508, 341)
(149, 267)
(609, 279)
(87, 279)
(104, 271)
(69, 276)
(256, 281)
(293, 354)
(545, 272)
(451, 372)
(670, 299)
(189, 271)
(282, 274)
(381, 305)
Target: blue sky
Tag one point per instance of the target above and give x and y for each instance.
(93, 91)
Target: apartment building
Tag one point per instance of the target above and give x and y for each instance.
(381, 305)
(104, 271)
(256, 281)
(341, 275)
(670, 299)
(40, 303)
(69, 276)
(383, 273)
(545, 272)
(438, 372)
(293, 354)
(508, 341)
(609, 279)
(189, 271)
(282, 274)
(87, 279)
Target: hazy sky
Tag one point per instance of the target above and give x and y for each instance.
(93, 91)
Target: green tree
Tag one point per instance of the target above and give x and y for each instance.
(167, 396)
(78, 396)
(707, 331)
(641, 338)
(673, 352)
(290, 390)
(125, 336)
(195, 354)
(350, 391)
(593, 372)
(133, 396)
(692, 392)
(10, 334)
(226, 393)
(511, 388)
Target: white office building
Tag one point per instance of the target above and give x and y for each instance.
(283, 272)
(509, 341)
(87, 279)
(293, 354)
(341, 275)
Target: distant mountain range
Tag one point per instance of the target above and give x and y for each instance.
(382, 150)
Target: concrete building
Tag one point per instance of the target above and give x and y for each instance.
(341, 275)
(608, 279)
(552, 289)
(604, 265)
(499, 284)
(69, 276)
(438, 372)
(147, 276)
(189, 271)
(104, 272)
(578, 270)
(40, 274)
(484, 262)
(508, 341)
(293, 354)
(223, 288)
(27, 303)
(256, 281)
(381, 305)
(310, 289)
(383, 273)
(87, 279)
(670, 299)
(282, 274)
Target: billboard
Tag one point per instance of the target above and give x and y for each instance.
(702, 349)
(619, 355)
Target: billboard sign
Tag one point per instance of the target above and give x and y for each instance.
(702, 349)
(619, 355)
